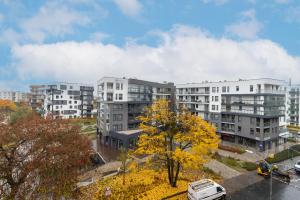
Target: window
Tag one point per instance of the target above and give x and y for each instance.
(251, 88)
(120, 96)
(224, 89)
(239, 129)
(213, 89)
(217, 89)
(117, 117)
(118, 86)
(216, 98)
(71, 107)
(70, 102)
(227, 88)
(71, 87)
(63, 87)
(217, 107)
(240, 107)
(75, 102)
(71, 97)
(57, 97)
(251, 131)
(212, 98)
(56, 107)
(116, 96)
(213, 107)
(237, 88)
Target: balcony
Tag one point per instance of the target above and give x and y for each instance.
(270, 91)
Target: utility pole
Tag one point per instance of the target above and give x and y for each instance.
(271, 191)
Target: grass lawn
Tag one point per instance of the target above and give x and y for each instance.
(236, 164)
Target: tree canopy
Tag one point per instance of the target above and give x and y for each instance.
(40, 157)
(177, 139)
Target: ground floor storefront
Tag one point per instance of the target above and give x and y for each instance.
(248, 142)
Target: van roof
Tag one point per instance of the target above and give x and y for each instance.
(202, 184)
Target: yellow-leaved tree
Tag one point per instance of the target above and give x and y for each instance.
(175, 139)
(6, 107)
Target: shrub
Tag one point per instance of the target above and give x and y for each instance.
(232, 149)
(249, 166)
(285, 154)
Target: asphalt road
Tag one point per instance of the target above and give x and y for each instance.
(261, 190)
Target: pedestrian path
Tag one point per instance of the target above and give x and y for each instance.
(222, 169)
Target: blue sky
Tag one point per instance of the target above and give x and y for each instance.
(172, 40)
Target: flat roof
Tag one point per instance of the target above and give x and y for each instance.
(130, 132)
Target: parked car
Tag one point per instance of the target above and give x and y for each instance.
(297, 167)
(206, 189)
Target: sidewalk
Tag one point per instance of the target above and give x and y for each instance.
(222, 169)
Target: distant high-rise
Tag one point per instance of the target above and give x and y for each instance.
(63, 100)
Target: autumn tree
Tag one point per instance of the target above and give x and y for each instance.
(123, 157)
(40, 158)
(6, 107)
(176, 139)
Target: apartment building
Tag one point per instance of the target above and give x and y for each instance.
(14, 96)
(120, 101)
(37, 97)
(63, 100)
(293, 112)
(249, 112)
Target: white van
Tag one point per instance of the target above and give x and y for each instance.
(205, 189)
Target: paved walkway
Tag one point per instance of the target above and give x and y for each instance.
(222, 169)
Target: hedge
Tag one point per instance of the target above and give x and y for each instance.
(285, 154)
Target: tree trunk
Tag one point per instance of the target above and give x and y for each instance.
(176, 175)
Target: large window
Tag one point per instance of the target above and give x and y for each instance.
(237, 88)
(224, 89)
(251, 88)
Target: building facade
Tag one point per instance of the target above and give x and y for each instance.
(121, 101)
(14, 96)
(248, 112)
(63, 100)
(293, 100)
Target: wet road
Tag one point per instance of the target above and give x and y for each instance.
(261, 190)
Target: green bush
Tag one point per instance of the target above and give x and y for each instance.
(285, 154)
(249, 166)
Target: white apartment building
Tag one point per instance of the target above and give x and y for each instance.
(249, 112)
(14, 96)
(63, 100)
(120, 101)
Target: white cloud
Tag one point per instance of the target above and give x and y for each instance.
(53, 19)
(186, 55)
(246, 28)
(129, 7)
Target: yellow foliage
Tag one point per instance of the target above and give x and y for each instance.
(179, 139)
(7, 105)
(144, 184)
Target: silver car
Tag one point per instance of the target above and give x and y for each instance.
(297, 166)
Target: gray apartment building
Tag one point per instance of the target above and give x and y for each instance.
(121, 101)
(249, 112)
